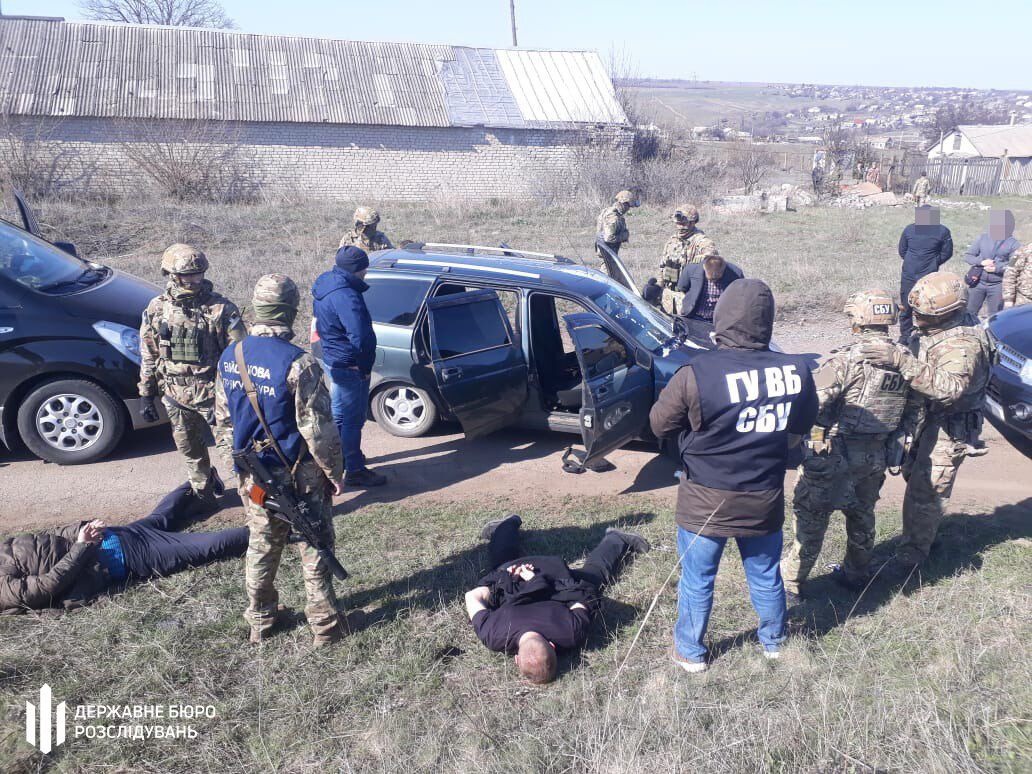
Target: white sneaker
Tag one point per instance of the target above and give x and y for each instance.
(771, 655)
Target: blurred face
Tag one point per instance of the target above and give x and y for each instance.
(369, 228)
(1001, 224)
(926, 216)
(361, 274)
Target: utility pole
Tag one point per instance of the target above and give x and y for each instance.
(512, 16)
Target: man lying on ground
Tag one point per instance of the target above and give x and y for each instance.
(69, 566)
(534, 605)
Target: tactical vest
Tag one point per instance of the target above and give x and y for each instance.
(268, 361)
(872, 404)
(187, 334)
(747, 400)
(973, 399)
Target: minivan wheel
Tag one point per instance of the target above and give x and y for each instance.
(70, 422)
(404, 410)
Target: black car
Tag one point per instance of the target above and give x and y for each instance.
(69, 347)
(1008, 402)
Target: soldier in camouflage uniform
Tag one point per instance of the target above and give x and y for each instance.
(612, 225)
(1017, 279)
(861, 406)
(948, 365)
(183, 332)
(687, 245)
(922, 190)
(364, 234)
(294, 400)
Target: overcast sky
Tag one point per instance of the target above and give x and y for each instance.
(874, 42)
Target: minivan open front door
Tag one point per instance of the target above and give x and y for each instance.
(618, 389)
(479, 367)
(614, 267)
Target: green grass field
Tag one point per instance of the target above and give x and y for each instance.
(934, 678)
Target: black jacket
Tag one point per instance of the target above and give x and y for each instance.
(924, 249)
(693, 280)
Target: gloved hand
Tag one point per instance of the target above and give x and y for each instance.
(881, 353)
(148, 410)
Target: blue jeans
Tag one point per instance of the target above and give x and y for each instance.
(760, 557)
(349, 395)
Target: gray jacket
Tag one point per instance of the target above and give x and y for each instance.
(986, 248)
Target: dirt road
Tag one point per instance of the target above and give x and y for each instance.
(519, 468)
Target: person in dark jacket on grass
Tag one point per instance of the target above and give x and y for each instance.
(534, 605)
(345, 332)
(71, 565)
(924, 246)
(736, 411)
(703, 283)
(989, 257)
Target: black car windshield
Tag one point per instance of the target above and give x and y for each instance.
(649, 327)
(37, 264)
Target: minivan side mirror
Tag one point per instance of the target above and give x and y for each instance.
(643, 359)
(67, 247)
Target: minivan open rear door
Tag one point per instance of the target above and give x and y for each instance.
(617, 390)
(478, 364)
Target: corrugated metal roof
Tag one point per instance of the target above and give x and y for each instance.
(105, 70)
(998, 140)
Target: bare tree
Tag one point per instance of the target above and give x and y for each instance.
(949, 117)
(41, 167)
(195, 160)
(747, 167)
(170, 13)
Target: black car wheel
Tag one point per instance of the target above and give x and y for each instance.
(404, 410)
(70, 422)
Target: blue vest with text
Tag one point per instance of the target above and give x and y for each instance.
(268, 360)
(750, 400)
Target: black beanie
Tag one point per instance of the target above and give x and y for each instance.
(352, 259)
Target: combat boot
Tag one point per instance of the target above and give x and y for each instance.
(353, 622)
(281, 615)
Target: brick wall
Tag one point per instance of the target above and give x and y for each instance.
(335, 161)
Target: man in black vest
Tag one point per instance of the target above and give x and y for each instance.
(736, 412)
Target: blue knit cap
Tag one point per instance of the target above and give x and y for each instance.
(352, 259)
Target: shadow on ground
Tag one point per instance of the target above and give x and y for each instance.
(959, 547)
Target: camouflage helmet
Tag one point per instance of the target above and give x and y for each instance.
(939, 294)
(686, 213)
(367, 216)
(627, 197)
(183, 259)
(276, 289)
(871, 307)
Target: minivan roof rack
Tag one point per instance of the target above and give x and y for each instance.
(503, 249)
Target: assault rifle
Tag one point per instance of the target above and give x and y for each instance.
(283, 503)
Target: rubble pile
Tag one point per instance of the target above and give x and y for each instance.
(865, 195)
(779, 198)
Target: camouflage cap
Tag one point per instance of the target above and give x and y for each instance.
(627, 197)
(939, 294)
(183, 259)
(276, 289)
(367, 216)
(871, 307)
(686, 213)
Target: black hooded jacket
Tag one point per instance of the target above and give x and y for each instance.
(733, 411)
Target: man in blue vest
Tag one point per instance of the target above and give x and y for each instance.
(295, 407)
(736, 411)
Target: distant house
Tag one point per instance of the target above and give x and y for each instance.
(985, 141)
(324, 118)
(1010, 143)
